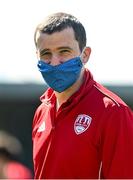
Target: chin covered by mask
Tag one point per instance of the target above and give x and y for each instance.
(62, 76)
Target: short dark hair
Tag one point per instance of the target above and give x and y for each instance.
(60, 21)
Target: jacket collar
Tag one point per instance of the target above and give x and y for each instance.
(49, 95)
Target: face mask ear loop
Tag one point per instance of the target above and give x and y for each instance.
(81, 56)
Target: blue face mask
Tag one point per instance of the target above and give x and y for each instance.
(62, 76)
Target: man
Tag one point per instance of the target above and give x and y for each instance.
(10, 165)
(81, 129)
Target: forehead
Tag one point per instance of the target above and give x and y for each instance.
(62, 38)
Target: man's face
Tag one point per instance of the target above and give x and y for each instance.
(57, 47)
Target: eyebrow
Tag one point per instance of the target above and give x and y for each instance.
(43, 51)
(65, 47)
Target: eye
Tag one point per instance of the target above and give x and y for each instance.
(65, 53)
(46, 56)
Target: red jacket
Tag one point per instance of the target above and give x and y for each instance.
(90, 136)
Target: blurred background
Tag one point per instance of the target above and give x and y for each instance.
(109, 27)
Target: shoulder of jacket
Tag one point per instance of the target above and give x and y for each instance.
(109, 96)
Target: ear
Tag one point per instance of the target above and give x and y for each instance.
(86, 54)
(37, 54)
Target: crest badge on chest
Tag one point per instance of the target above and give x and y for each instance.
(82, 123)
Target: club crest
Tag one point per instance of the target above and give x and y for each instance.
(82, 123)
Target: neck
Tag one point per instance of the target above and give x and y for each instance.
(65, 95)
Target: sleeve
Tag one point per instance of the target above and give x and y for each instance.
(117, 144)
